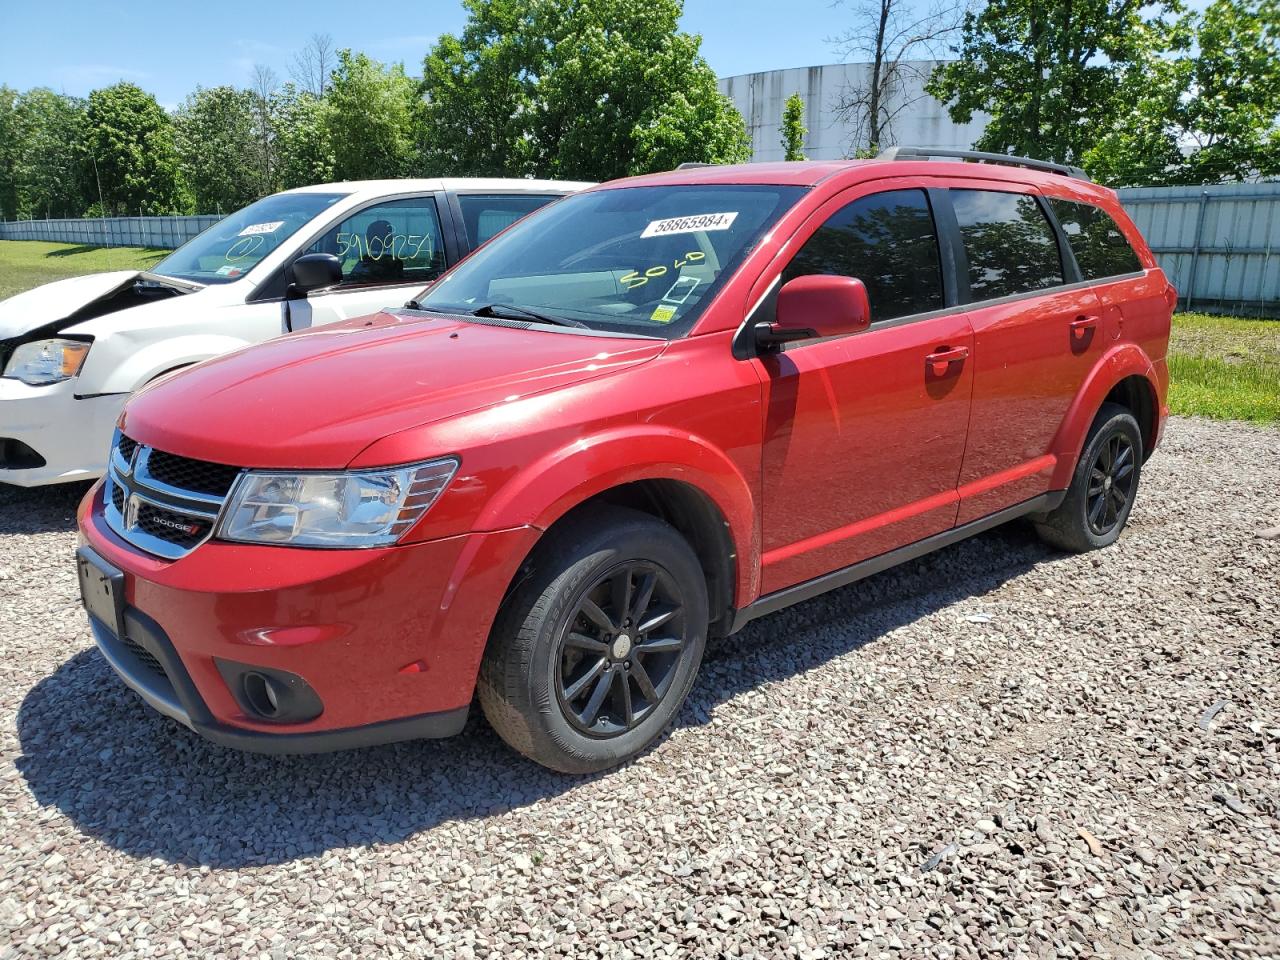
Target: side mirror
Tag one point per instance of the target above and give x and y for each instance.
(311, 271)
(819, 305)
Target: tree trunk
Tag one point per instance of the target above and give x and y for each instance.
(874, 133)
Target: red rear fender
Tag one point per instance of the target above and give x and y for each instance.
(1125, 360)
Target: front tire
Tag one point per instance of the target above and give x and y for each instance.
(1103, 486)
(595, 651)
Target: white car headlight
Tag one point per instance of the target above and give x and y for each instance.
(47, 361)
(358, 508)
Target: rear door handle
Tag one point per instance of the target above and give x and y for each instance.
(1082, 325)
(940, 360)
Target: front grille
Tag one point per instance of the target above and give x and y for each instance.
(186, 474)
(163, 503)
(172, 526)
(145, 655)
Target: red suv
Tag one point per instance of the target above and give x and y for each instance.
(646, 414)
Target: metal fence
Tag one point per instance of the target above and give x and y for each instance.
(1219, 245)
(162, 232)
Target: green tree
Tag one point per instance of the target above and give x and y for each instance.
(479, 89)
(129, 149)
(264, 90)
(793, 128)
(369, 115)
(591, 89)
(50, 176)
(1205, 117)
(8, 152)
(1047, 71)
(304, 151)
(216, 143)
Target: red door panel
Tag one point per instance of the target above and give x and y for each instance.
(864, 437)
(1030, 358)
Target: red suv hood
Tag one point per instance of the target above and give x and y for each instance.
(316, 399)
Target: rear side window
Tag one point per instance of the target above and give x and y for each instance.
(1008, 241)
(886, 240)
(1101, 249)
(485, 216)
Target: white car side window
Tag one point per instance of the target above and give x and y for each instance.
(395, 242)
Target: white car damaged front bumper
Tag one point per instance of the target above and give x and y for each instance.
(71, 435)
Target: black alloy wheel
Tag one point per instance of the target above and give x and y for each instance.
(620, 650)
(1104, 484)
(1111, 478)
(596, 647)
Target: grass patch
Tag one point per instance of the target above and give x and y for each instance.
(29, 263)
(1227, 368)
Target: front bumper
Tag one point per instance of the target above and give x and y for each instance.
(389, 639)
(170, 691)
(71, 435)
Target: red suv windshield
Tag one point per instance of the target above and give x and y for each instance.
(634, 260)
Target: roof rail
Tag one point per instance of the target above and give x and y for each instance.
(693, 164)
(977, 156)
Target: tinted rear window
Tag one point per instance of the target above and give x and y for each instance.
(1101, 249)
(887, 241)
(486, 216)
(1010, 246)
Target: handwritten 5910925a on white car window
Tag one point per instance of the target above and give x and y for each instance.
(71, 352)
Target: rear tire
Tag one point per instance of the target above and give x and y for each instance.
(1103, 487)
(595, 651)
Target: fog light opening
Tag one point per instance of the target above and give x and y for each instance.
(261, 694)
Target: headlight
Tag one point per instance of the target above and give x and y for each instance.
(47, 361)
(360, 508)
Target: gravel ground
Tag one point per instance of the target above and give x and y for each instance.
(994, 751)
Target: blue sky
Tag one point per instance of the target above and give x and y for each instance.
(169, 48)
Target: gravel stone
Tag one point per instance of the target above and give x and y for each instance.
(827, 754)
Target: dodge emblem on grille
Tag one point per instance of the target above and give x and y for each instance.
(188, 528)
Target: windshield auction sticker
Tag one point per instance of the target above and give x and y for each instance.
(255, 228)
(702, 222)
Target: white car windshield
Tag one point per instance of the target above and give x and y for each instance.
(235, 245)
(643, 260)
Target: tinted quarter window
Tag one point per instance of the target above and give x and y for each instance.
(398, 241)
(886, 240)
(1009, 243)
(1101, 249)
(484, 216)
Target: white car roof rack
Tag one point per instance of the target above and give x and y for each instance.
(977, 156)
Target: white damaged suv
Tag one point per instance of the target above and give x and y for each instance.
(72, 351)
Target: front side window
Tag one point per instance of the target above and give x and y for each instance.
(484, 217)
(1101, 249)
(398, 241)
(886, 240)
(236, 244)
(1010, 245)
(643, 260)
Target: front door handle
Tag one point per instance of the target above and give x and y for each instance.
(1081, 326)
(939, 362)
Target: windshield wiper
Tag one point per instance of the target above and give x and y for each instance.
(509, 311)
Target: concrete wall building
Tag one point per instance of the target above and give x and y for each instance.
(921, 122)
